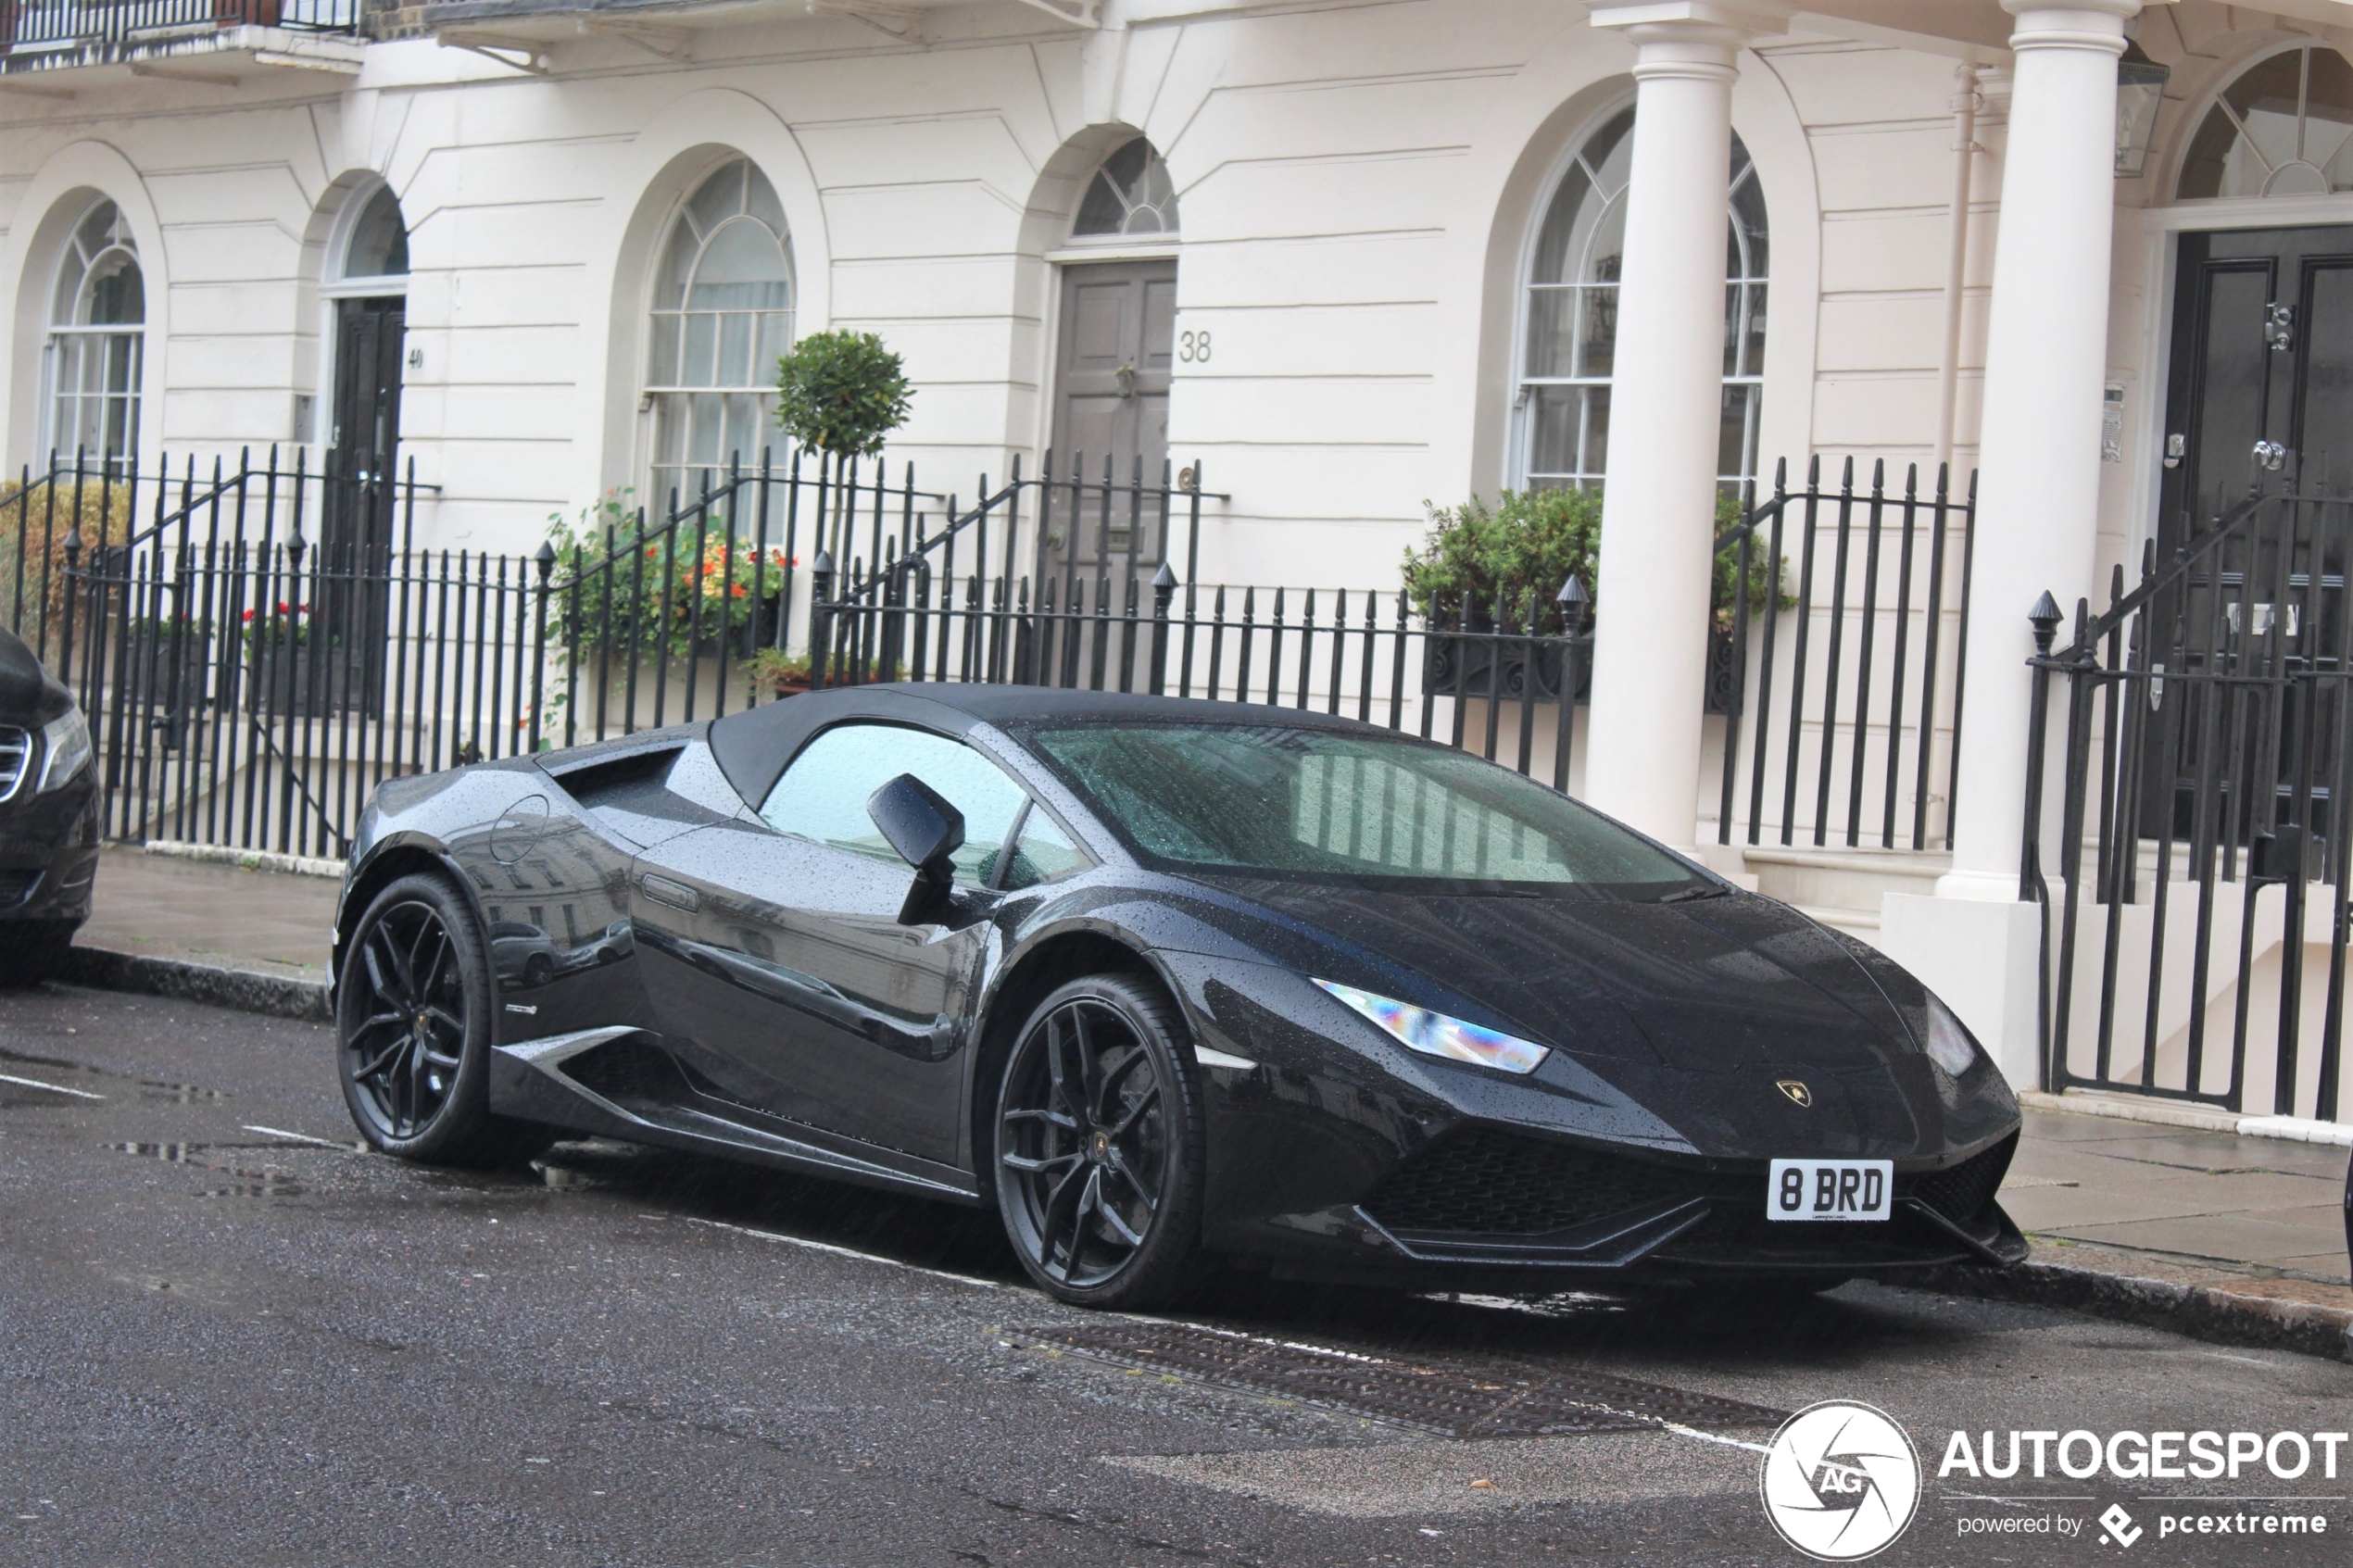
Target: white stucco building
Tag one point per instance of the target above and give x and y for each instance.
(1344, 257)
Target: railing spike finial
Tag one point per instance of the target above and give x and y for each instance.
(1574, 602)
(1165, 579)
(547, 560)
(2046, 616)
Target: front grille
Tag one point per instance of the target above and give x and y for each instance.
(1963, 1193)
(15, 759)
(1486, 1183)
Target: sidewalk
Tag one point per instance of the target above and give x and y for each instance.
(2234, 1238)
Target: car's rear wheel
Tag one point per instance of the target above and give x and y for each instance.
(1098, 1146)
(412, 1016)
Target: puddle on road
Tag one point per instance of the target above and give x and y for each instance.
(249, 1184)
(149, 1088)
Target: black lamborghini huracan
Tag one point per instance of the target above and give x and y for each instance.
(1157, 979)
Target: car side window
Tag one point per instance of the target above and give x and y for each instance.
(822, 796)
(1043, 853)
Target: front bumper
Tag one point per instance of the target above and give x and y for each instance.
(49, 854)
(1497, 1202)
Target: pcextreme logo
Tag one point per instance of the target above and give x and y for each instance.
(1840, 1481)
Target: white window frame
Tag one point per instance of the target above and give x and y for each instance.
(1522, 427)
(55, 334)
(651, 468)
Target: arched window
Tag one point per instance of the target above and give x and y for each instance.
(2282, 128)
(1130, 194)
(1569, 348)
(378, 246)
(97, 321)
(722, 316)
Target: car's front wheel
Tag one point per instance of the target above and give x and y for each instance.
(1098, 1146)
(412, 1017)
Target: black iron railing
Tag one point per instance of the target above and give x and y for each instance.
(2204, 816)
(1486, 679)
(27, 26)
(1840, 672)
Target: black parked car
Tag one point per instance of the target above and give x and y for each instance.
(48, 817)
(1155, 978)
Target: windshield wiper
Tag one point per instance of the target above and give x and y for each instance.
(1705, 890)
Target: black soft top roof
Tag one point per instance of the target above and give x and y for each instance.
(753, 746)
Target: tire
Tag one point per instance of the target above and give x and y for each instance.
(413, 1032)
(33, 951)
(1101, 1191)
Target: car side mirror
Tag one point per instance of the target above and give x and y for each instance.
(926, 830)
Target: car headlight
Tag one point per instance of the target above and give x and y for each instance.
(1949, 1045)
(65, 747)
(1434, 1034)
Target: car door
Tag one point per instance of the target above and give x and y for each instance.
(776, 959)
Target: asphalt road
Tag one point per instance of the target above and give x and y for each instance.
(222, 1344)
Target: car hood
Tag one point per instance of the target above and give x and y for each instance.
(1734, 984)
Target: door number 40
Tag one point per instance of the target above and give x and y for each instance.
(1192, 348)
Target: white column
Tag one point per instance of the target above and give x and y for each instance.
(1658, 506)
(2045, 362)
(1975, 943)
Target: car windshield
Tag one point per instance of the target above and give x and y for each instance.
(1304, 803)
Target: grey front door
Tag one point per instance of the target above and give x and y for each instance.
(1110, 403)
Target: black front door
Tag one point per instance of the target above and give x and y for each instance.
(2262, 352)
(364, 444)
(360, 505)
(2260, 394)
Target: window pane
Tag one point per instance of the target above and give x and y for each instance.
(1570, 433)
(1753, 351)
(1735, 442)
(1598, 354)
(662, 350)
(379, 246)
(822, 796)
(702, 345)
(1044, 853)
(735, 350)
(1552, 261)
(776, 336)
(719, 199)
(1551, 332)
(1269, 800)
(741, 269)
(760, 199)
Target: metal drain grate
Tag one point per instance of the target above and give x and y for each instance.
(1452, 1397)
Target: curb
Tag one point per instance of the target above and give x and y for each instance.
(2200, 1311)
(2204, 1119)
(188, 980)
(246, 859)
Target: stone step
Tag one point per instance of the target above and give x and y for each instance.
(1849, 880)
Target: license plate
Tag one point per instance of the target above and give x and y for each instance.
(1830, 1189)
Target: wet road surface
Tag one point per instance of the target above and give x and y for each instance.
(228, 1335)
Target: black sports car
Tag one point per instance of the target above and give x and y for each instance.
(1156, 978)
(48, 817)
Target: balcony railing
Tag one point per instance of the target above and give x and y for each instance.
(31, 26)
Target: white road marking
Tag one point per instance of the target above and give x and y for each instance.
(840, 1252)
(53, 1088)
(298, 1137)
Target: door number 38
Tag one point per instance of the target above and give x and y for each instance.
(1192, 348)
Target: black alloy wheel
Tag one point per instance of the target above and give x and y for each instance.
(413, 1022)
(1098, 1146)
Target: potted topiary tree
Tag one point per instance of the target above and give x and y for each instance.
(841, 393)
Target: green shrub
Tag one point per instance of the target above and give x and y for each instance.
(841, 393)
(1531, 541)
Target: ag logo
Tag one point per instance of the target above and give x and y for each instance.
(1840, 1481)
